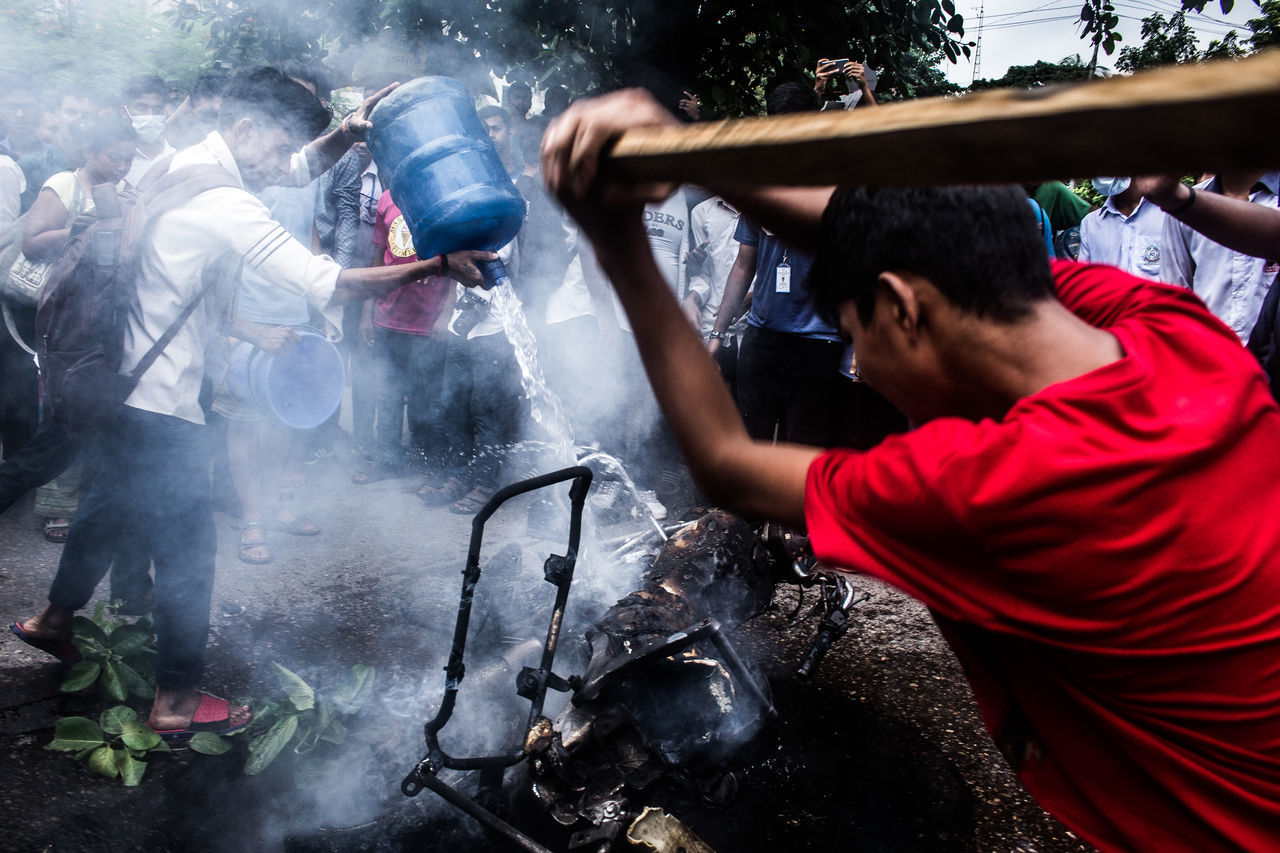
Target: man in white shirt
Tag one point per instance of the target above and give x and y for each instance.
(712, 251)
(156, 452)
(144, 103)
(1231, 283)
(1125, 232)
(12, 184)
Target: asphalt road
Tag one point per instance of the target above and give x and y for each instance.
(883, 751)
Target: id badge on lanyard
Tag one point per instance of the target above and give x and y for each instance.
(782, 283)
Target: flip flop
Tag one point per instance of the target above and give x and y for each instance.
(212, 715)
(63, 649)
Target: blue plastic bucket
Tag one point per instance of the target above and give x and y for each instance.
(300, 388)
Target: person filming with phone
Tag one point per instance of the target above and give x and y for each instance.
(857, 79)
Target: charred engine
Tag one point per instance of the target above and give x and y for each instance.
(665, 703)
(665, 706)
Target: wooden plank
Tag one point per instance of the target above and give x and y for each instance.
(1196, 118)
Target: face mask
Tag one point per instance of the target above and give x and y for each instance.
(1110, 186)
(148, 128)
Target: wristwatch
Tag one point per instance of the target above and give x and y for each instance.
(719, 336)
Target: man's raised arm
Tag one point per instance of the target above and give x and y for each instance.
(1250, 229)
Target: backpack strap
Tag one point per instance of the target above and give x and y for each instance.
(161, 195)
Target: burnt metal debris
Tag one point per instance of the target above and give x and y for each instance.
(665, 705)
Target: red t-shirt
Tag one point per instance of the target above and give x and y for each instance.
(414, 307)
(1105, 561)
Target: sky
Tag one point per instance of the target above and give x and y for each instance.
(1020, 32)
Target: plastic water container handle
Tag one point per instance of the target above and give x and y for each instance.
(494, 272)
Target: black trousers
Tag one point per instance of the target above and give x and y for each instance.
(793, 385)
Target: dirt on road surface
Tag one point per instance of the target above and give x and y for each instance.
(882, 751)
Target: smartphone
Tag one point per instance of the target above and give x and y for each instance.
(839, 63)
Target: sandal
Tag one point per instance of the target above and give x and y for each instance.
(296, 526)
(254, 552)
(211, 715)
(56, 530)
(473, 502)
(372, 474)
(447, 492)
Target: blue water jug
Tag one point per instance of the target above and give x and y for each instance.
(445, 175)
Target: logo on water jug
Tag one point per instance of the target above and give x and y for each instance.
(399, 240)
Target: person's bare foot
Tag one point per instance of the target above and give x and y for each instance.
(53, 623)
(173, 710)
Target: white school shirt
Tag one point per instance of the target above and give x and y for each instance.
(1232, 284)
(713, 222)
(667, 225)
(224, 225)
(1132, 243)
(13, 183)
(142, 163)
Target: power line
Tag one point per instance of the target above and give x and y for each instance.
(1056, 4)
(1014, 24)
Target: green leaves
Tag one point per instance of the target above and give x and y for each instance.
(139, 736)
(76, 733)
(103, 762)
(111, 682)
(128, 639)
(114, 719)
(320, 721)
(81, 676)
(116, 656)
(117, 745)
(113, 747)
(356, 691)
(265, 747)
(298, 691)
(207, 743)
(130, 768)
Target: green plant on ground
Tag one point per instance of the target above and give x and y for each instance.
(118, 657)
(306, 719)
(114, 746)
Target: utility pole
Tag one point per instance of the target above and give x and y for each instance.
(977, 48)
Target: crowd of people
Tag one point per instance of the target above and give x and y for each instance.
(1058, 458)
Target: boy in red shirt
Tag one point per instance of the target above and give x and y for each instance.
(1086, 503)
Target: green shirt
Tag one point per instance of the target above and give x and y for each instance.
(1064, 207)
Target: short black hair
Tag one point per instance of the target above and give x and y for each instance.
(267, 95)
(556, 100)
(97, 134)
(208, 84)
(144, 84)
(980, 246)
(87, 89)
(11, 81)
(306, 72)
(491, 111)
(790, 98)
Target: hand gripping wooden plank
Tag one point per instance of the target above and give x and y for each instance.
(1184, 119)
